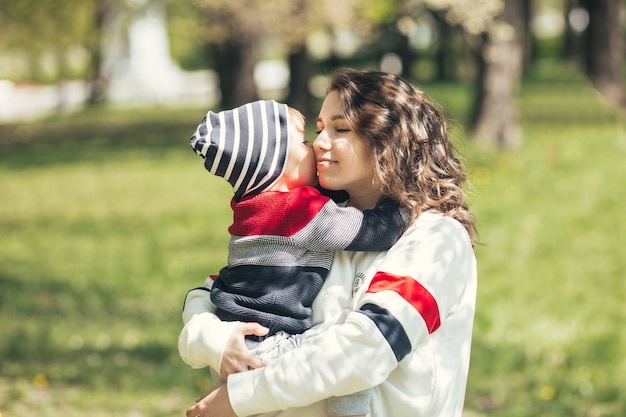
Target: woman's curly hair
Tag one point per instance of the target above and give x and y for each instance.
(415, 161)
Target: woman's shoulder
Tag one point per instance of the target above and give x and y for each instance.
(434, 218)
(432, 223)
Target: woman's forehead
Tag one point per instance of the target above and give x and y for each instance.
(331, 108)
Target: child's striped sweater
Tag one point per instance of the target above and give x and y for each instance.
(281, 249)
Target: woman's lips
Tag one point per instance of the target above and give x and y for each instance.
(325, 162)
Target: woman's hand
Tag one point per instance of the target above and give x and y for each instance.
(213, 403)
(237, 357)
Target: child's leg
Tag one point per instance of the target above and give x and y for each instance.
(274, 346)
(357, 404)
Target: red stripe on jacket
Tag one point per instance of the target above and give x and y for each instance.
(413, 292)
(276, 213)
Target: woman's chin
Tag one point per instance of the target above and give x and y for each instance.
(330, 185)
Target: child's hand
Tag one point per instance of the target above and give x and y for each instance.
(237, 357)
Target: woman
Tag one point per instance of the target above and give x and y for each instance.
(399, 321)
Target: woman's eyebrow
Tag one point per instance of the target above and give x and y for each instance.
(332, 118)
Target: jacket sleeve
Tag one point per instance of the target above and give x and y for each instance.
(416, 286)
(203, 337)
(334, 227)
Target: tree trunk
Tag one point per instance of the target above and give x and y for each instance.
(299, 95)
(527, 37)
(501, 66)
(98, 79)
(404, 51)
(235, 61)
(605, 48)
(445, 49)
(571, 38)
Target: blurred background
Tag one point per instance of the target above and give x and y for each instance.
(107, 218)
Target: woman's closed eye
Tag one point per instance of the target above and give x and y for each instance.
(340, 128)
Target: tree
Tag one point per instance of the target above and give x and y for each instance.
(38, 26)
(571, 36)
(238, 33)
(605, 48)
(300, 69)
(233, 35)
(98, 79)
(497, 27)
(526, 37)
(501, 67)
(445, 49)
(299, 61)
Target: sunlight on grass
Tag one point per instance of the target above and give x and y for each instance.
(551, 291)
(97, 256)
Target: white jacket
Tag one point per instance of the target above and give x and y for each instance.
(406, 332)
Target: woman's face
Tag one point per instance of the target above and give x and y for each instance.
(344, 160)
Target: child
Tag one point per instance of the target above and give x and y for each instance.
(285, 231)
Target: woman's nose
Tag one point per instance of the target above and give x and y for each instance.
(321, 141)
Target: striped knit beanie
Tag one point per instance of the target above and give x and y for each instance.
(247, 146)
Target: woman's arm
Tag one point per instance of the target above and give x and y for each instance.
(419, 282)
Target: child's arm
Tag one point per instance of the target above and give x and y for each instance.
(204, 336)
(381, 228)
(207, 341)
(318, 223)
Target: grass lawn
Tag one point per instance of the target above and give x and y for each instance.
(107, 219)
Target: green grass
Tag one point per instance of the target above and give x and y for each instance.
(549, 335)
(104, 228)
(107, 219)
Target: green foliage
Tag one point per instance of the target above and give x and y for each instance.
(108, 219)
(187, 44)
(44, 41)
(379, 11)
(38, 25)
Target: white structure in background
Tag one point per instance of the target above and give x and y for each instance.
(140, 70)
(23, 102)
(271, 77)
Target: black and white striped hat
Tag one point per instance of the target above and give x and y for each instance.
(247, 146)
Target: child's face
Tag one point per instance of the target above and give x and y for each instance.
(300, 169)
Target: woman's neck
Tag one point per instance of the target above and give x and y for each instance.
(364, 201)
